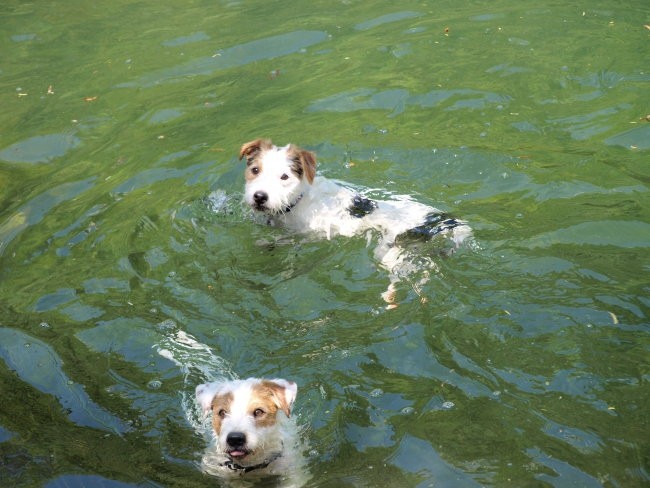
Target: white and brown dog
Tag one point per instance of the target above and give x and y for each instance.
(281, 182)
(254, 436)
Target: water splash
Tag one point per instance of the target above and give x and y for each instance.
(198, 364)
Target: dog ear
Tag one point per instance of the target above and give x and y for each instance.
(284, 392)
(250, 149)
(308, 162)
(205, 393)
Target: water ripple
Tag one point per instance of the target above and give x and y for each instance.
(40, 149)
(396, 100)
(239, 55)
(179, 41)
(35, 210)
(386, 19)
(39, 365)
(625, 234)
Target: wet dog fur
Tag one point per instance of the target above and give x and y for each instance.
(282, 184)
(254, 436)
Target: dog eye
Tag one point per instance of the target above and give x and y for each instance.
(284, 177)
(255, 170)
(258, 412)
(221, 413)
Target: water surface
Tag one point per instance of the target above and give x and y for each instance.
(522, 362)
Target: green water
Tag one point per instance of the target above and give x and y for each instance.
(523, 362)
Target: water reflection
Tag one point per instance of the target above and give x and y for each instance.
(40, 149)
(267, 48)
(398, 99)
(386, 19)
(35, 210)
(37, 364)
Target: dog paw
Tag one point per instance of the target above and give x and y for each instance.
(389, 296)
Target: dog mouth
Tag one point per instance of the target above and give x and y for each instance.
(238, 454)
(265, 209)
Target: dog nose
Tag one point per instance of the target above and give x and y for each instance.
(236, 439)
(260, 197)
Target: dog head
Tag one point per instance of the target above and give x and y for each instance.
(246, 416)
(276, 177)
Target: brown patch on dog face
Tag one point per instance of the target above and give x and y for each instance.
(220, 407)
(266, 399)
(253, 148)
(304, 163)
(253, 168)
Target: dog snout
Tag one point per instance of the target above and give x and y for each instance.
(236, 440)
(260, 198)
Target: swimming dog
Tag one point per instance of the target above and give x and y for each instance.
(254, 436)
(281, 183)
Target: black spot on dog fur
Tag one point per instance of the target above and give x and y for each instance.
(361, 206)
(434, 224)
